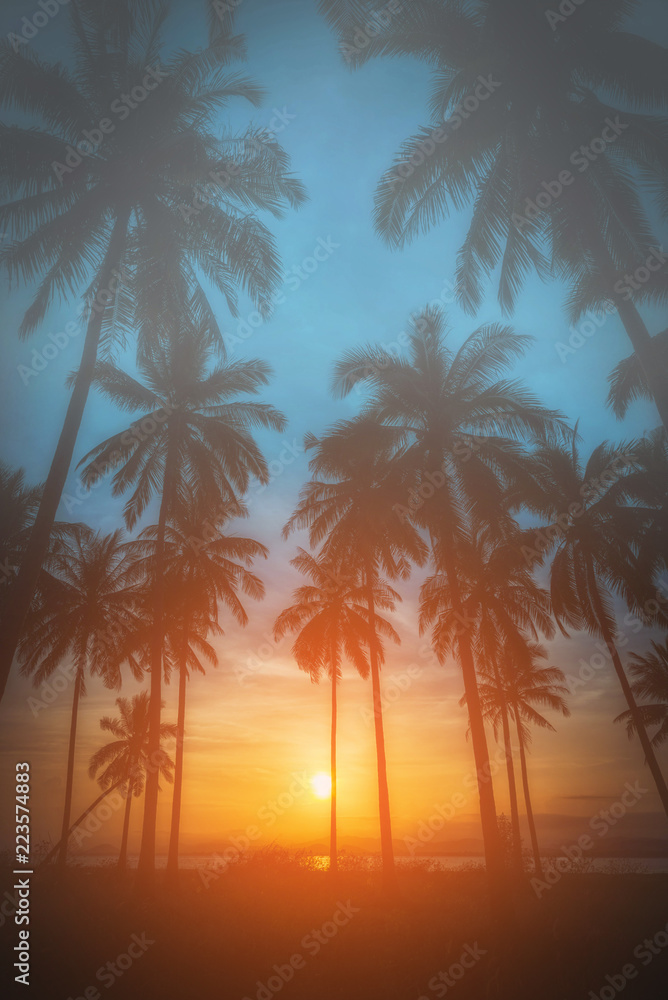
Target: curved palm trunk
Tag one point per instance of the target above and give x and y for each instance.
(333, 857)
(56, 847)
(527, 798)
(67, 808)
(173, 852)
(386, 849)
(123, 854)
(146, 863)
(490, 830)
(40, 533)
(645, 742)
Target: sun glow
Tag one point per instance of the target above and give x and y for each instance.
(321, 785)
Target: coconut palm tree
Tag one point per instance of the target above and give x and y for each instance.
(627, 380)
(18, 505)
(84, 610)
(331, 618)
(519, 100)
(348, 510)
(196, 434)
(650, 671)
(460, 424)
(105, 197)
(595, 530)
(503, 606)
(205, 568)
(519, 687)
(125, 760)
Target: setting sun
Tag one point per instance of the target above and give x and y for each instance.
(322, 785)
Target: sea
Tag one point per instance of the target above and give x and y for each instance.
(193, 862)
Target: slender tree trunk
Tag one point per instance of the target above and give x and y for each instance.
(645, 742)
(123, 855)
(490, 830)
(146, 863)
(527, 798)
(173, 852)
(67, 809)
(636, 330)
(333, 857)
(512, 791)
(40, 533)
(386, 848)
(56, 847)
(510, 770)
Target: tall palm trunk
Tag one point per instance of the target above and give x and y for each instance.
(333, 857)
(527, 797)
(512, 793)
(146, 863)
(123, 855)
(490, 830)
(173, 852)
(386, 848)
(510, 770)
(645, 742)
(56, 847)
(33, 558)
(67, 808)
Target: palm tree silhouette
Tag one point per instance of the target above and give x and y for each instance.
(458, 422)
(117, 217)
(502, 605)
(595, 532)
(650, 671)
(204, 569)
(331, 617)
(125, 760)
(18, 505)
(348, 510)
(196, 437)
(502, 146)
(84, 610)
(628, 381)
(518, 687)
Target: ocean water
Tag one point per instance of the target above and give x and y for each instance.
(192, 862)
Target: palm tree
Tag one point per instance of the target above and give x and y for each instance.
(204, 569)
(125, 760)
(628, 381)
(18, 505)
(502, 605)
(196, 436)
(120, 222)
(518, 97)
(519, 687)
(459, 422)
(84, 610)
(595, 530)
(651, 682)
(348, 510)
(331, 617)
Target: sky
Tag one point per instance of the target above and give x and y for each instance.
(256, 721)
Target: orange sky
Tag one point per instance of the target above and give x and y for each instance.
(249, 733)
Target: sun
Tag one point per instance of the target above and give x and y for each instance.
(321, 785)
